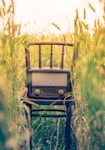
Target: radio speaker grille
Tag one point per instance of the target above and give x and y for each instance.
(49, 79)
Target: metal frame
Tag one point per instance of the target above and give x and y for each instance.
(67, 102)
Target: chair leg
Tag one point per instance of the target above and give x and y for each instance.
(30, 140)
(68, 129)
(29, 122)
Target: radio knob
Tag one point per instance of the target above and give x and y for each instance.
(61, 92)
(37, 91)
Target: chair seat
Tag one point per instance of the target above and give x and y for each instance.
(69, 101)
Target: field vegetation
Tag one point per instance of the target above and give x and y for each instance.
(88, 88)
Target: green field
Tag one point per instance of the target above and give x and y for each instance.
(88, 88)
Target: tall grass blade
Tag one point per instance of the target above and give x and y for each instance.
(3, 2)
(84, 13)
(92, 8)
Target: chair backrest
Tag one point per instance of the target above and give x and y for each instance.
(51, 44)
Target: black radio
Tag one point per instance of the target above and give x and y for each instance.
(48, 83)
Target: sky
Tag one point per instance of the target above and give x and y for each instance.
(38, 15)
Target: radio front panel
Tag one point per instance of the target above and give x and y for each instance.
(44, 83)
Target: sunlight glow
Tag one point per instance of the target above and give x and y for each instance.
(37, 15)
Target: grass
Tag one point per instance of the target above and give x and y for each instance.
(88, 89)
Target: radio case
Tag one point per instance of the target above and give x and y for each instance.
(48, 83)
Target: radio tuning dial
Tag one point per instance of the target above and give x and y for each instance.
(37, 91)
(61, 92)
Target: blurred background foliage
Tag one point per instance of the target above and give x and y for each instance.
(88, 76)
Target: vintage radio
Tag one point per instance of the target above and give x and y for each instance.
(48, 83)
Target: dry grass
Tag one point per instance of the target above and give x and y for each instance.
(88, 89)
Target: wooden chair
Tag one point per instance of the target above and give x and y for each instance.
(49, 86)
